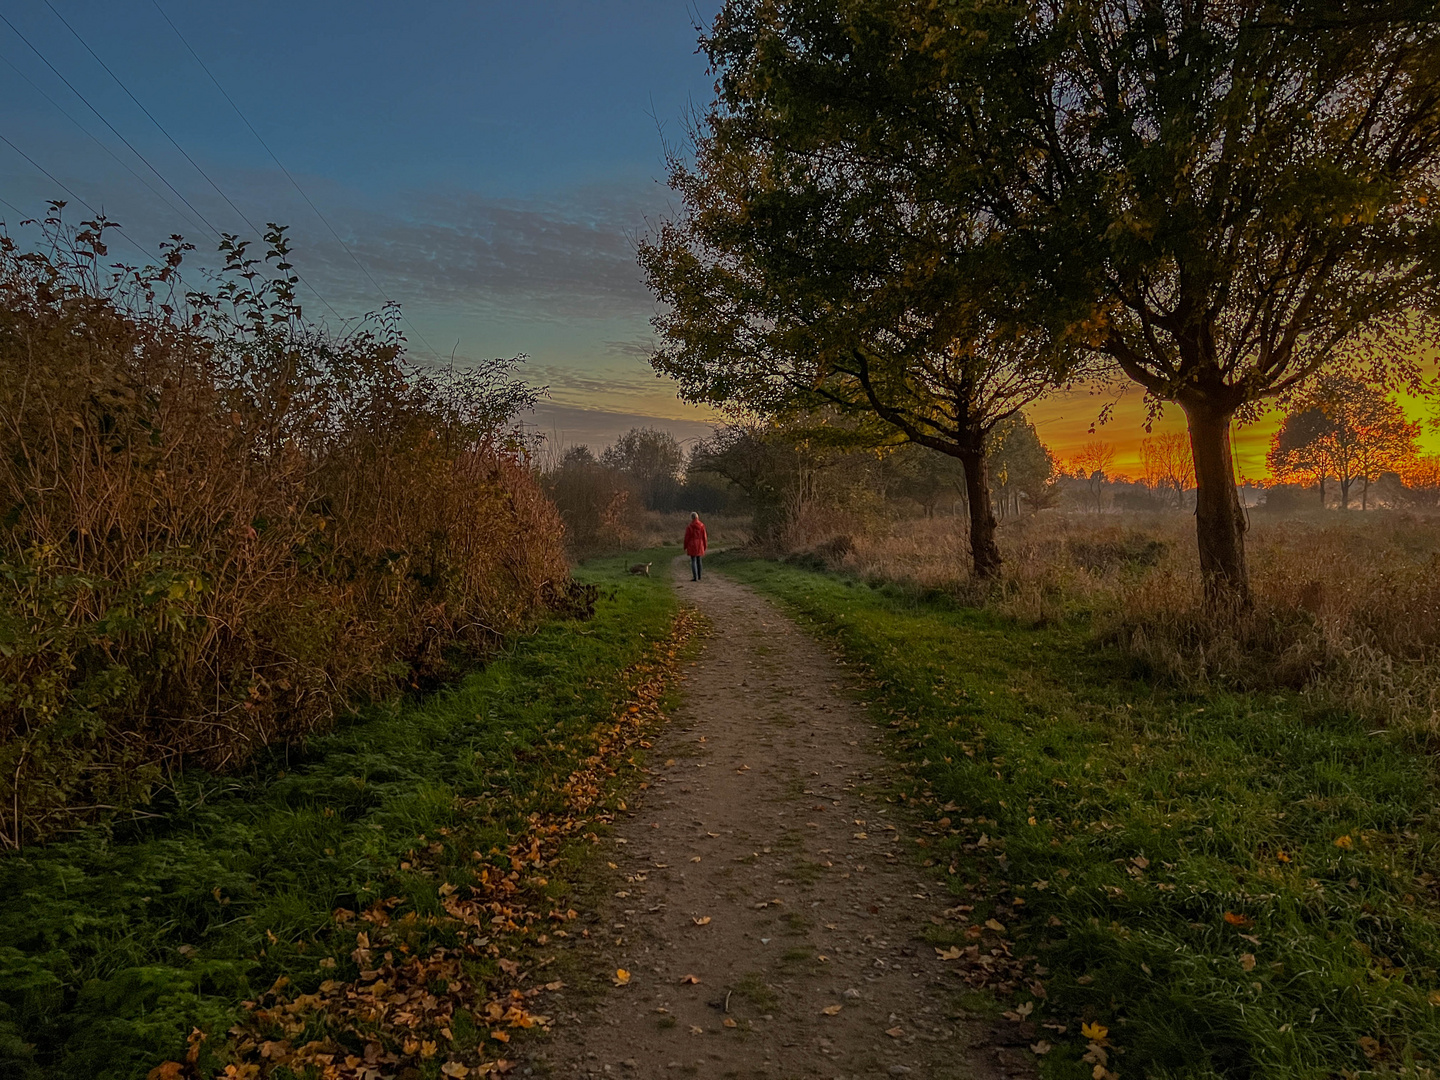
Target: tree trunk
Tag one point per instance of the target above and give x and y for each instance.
(1322, 491)
(1344, 493)
(1364, 494)
(1219, 518)
(983, 550)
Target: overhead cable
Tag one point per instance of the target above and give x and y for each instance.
(161, 127)
(274, 157)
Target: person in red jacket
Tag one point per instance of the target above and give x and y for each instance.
(695, 541)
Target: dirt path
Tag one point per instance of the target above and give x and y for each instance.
(757, 863)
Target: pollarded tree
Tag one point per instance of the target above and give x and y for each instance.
(822, 260)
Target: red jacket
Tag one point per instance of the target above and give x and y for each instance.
(695, 538)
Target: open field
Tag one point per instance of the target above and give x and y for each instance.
(1233, 883)
(1347, 606)
(118, 941)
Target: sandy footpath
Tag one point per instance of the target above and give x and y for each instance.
(764, 902)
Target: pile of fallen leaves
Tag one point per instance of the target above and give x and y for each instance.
(415, 1002)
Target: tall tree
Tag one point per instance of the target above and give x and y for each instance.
(1020, 465)
(651, 459)
(1093, 463)
(1220, 198)
(1168, 465)
(1346, 428)
(822, 259)
(1244, 191)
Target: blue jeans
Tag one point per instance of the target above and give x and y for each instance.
(694, 567)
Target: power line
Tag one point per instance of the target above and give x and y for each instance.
(95, 139)
(115, 131)
(274, 157)
(151, 117)
(69, 191)
(53, 178)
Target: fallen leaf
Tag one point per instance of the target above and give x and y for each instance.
(1434, 997)
(621, 976)
(996, 925)
(171, 1070)
(1247, 961)
(500, 1036)
(1372, 1047)
(729, 1021)
(696, 1030)
(1344, 842)
(689, 980)
(895, 1032)
(952, 953)
(1094, 1032)
(695, 859)
(1244, 921)
(455, 1069)
(1040, 1048)
(703, 920)
(832, 1010)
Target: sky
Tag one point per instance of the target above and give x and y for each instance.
(490, 166)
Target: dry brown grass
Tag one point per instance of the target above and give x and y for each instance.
(1347, 606)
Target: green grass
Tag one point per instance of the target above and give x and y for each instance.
(1131, 819)
(116, 941)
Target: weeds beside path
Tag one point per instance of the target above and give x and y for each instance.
(420, 850)
(1220, 885)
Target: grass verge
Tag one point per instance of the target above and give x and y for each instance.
(434, 827)
(1212, 885)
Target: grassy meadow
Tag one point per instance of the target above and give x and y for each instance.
(118, 941)
(1232, 880)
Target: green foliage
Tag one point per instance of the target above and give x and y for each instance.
(1020, 465)
(116, 942)
(1236, 885)
(652, 460)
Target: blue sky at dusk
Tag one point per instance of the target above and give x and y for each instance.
(490, 164)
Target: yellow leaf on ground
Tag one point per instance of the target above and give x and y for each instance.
(689, 980)
(500, 1036)
(703, 920)
(1344, 842)
(952, 953)
(1041, 1047)
(730, 1022)
(1094, 1032)
(621, 976)
(996, 925)
(832, 1010)
(455, 1069)
(1247, 961)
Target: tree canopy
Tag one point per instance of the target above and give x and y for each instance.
(920, 210)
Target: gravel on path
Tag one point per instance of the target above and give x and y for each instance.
(764, 904)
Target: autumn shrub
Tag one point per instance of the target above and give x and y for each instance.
(219, 522)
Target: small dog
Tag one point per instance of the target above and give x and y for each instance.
(641, 568)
